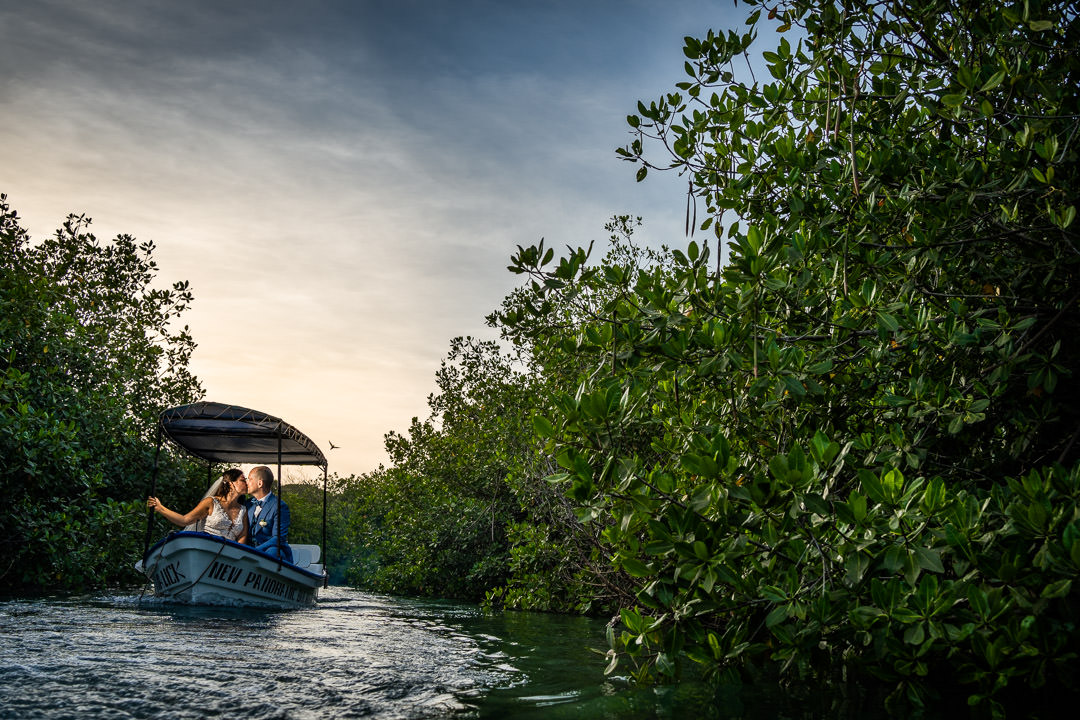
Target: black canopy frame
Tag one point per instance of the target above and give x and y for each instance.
(230, 434)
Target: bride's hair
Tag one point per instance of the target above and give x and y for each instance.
(227, 479)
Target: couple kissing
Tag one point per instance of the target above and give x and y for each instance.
(240, 508)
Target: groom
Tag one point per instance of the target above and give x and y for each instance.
(267, 516)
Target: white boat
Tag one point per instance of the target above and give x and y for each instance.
(197, 568)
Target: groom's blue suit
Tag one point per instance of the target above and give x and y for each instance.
(263, 530)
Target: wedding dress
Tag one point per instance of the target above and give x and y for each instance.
(218, 522)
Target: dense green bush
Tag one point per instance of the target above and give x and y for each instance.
(848, 447)
(462, 507)
(835, 438)
(305, 501)
(90, 356)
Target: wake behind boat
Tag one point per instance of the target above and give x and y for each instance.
(198, 568)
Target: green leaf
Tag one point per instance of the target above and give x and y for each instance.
(929, 559)
(665, 665)
(613, 663)
(872, 486)
(714, 645)
(543, 426)
(822, 449)
(856, 566)
(979, 603)
(635, 567)
(754, 239)
(995, 80)
(1058, 589)
(915, 634)
(1040, 25)
(934, 496)
(965, 76)
(774, 594)
(894, 559)
(778, 465)
(888, 322)
(776, 616)
(953, 99)
(794, 386)
(1067, 216)
(816, 504)
(857, 504)
(893, 484)
(905, 615)
(865, 615)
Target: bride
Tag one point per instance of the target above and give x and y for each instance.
(220, 511)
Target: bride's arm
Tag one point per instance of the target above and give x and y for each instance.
(199, 512)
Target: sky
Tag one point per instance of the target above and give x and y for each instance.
(342, 183)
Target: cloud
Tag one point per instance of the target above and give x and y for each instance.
(342, 183)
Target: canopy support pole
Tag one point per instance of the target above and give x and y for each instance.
(325, 557)
(153, 489)
(277, 515)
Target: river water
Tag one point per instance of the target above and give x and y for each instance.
(355, 655)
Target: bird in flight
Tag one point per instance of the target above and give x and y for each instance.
(333, 446)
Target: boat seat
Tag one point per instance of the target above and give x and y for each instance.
(305, 555)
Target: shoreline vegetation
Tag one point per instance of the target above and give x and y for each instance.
(829, 440)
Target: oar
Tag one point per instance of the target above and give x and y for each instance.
(153, 491)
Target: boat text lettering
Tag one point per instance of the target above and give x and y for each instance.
(273, 586)
(168, 575)
(225, 573)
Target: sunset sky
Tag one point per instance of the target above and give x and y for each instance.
(341, 182)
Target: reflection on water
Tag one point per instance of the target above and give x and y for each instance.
(354, 655)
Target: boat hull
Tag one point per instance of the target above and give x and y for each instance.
(196, 568)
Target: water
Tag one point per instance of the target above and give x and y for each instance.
(356, 655)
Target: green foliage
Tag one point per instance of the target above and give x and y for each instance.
(848, 447)
(834, 439)
(543, 574)
(431, 542)
(464, 511)
(89, 358)
(305, 501)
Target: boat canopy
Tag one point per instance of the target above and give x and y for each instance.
(232, 434)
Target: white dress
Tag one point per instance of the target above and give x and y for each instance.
(218, 522)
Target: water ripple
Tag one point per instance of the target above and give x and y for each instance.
(355, 655)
